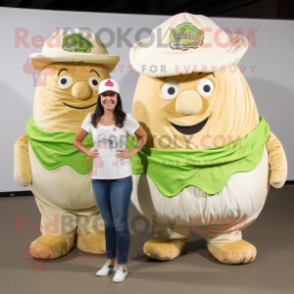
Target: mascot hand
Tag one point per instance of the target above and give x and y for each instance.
(277, 161)
(22, 167)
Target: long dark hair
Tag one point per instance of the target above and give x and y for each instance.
(119, 114)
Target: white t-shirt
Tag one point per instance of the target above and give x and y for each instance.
(107, 139)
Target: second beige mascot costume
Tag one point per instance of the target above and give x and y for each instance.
(210, 157)
(73, 63)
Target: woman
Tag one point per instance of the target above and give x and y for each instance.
(111, 173)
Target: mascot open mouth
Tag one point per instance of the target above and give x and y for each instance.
(79, 107)
(190, 130)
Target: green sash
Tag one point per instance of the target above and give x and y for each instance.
(54, 149)
(208, 169)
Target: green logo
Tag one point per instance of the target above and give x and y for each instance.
(76, 43)
(185, 36)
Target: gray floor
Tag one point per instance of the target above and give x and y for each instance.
(271, 272)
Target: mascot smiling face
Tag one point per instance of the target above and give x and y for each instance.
(192, 101)
(195, 111)
(70, 93)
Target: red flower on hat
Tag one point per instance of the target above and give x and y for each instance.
(109, 83)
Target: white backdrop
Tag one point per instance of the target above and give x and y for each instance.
(268, 67)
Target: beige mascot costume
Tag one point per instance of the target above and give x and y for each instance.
(210, 158)
(73, 64)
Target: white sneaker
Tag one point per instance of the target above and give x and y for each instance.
(106, 270)
(120, 274)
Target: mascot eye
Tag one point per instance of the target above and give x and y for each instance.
(64, 81)
(205, 87)
(93, 83)
(170, 89)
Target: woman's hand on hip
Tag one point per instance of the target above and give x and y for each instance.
(124, 154)
(92, 152)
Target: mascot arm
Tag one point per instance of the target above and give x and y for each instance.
(277, 161)
(22, 166)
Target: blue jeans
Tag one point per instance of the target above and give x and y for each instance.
(113, 198)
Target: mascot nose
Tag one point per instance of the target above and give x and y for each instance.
(81, 90)
(189, 102)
